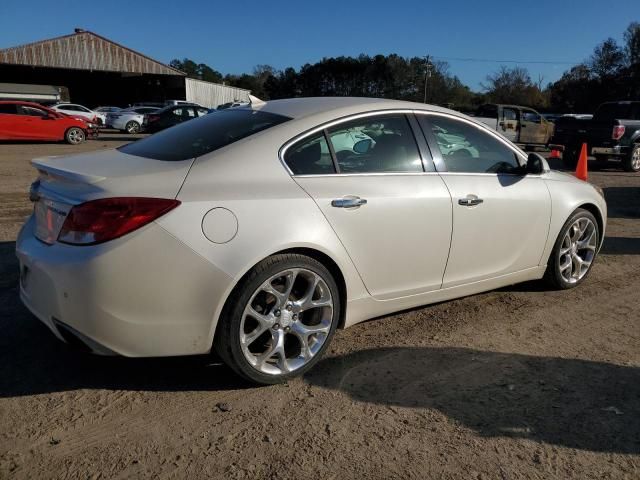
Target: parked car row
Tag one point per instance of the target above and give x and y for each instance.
(75, 123)
(32, 121)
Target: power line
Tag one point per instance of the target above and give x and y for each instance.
(488, 60)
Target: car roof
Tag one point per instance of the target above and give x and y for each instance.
(336, 107)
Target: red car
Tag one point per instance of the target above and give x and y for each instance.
(31, 121)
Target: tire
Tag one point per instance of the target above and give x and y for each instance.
(244, 341)
(132, 127)
(570, 157)
(557, 274)
(631, 163)
(75, 136)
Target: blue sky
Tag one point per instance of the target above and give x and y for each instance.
(234, 35)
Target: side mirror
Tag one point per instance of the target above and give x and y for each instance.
(535, 164)
(362, 146)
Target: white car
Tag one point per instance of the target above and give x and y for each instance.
(129, 120)
(75, 110)
(249, 233)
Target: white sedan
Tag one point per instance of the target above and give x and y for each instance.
(75, 110)
(252, 234)
(129, 120)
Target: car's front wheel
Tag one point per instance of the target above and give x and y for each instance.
(574, 251)
(75, 136)
(279, 320)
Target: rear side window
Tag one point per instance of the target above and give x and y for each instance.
(310, 156)
(203, 135)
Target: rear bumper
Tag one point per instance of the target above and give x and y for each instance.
(617, 150)
(143, 295)
(612, 151)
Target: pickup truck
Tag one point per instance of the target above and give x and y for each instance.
(522, 125)
(612, 133)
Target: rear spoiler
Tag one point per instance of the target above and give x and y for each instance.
(48, 172)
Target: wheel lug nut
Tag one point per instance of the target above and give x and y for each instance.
(277, 312)
(276, 326)
(289, 307)
(295, 316)
(287, 329)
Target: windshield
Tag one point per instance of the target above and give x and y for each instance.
(203, 135)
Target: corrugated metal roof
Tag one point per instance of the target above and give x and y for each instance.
(84, 50)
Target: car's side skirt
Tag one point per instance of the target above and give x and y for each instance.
(362, 309)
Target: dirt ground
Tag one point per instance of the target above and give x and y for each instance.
(517, 383)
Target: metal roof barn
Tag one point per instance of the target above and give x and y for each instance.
(84, 50)
(97, 71)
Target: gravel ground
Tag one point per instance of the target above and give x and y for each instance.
(517, 383)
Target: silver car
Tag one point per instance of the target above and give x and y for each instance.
(129, 120)
(252, 233)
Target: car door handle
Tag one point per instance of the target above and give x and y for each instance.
(470, 201)
(348, 202)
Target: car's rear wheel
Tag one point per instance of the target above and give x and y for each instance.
(632, 162)
(279, 320)
(75, 135)
(574, 251)
(132, 127)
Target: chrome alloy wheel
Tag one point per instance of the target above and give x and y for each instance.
(286, 321)
(578, 250)
(75, 136)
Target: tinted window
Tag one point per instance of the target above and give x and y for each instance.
(8, 108)
(310, 156)
(32, 112)
(383, 143)
(203, 135)
(466, 148)
(611, 111)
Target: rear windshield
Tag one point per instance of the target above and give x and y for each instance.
(203, 135)
(612, 111)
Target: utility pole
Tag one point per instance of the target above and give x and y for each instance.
(427, 75)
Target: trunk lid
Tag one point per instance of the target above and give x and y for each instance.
(69, 180)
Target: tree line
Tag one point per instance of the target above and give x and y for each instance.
(612, 72)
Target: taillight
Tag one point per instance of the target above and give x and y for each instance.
(618, 132)
(102, 220)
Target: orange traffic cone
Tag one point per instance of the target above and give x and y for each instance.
(581, 171)
(554, 154)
